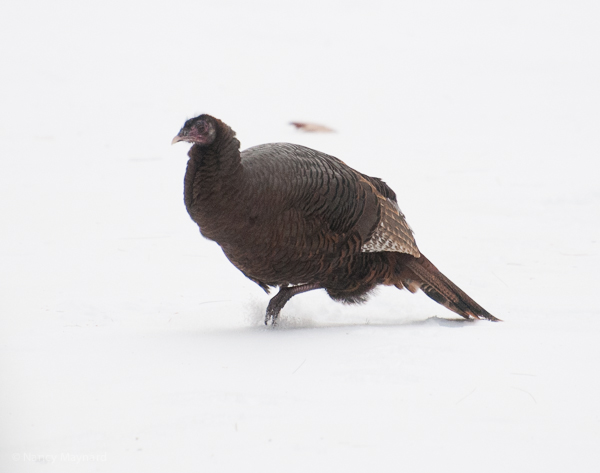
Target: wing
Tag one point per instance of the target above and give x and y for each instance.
(351, 204)
(392, 232)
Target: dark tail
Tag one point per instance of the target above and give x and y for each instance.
(439, 288)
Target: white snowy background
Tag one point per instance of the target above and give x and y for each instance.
(129, 343)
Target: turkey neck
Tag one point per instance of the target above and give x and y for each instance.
(212, 178)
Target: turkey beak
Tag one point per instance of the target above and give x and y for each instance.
(177, 138)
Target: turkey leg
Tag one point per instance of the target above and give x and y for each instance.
(280, 299)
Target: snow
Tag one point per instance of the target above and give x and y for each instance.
(129, 343)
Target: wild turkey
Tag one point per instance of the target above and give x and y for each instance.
(291, 217)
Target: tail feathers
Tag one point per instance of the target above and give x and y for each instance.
(439, 288)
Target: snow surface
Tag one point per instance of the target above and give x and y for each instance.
(129, 343)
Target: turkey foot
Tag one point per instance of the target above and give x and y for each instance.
(280, 299)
